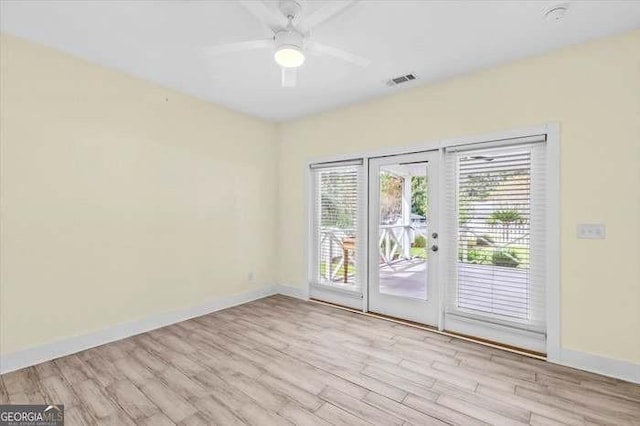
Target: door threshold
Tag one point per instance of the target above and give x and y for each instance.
(467, 338)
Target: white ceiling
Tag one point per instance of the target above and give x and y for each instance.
(162, 41)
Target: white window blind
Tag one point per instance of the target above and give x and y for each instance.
(337, 205)
(496, 211)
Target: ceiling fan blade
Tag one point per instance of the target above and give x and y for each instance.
(239, 46)
(274, 20)
(323, 14)
(289, 77)
(323, 49)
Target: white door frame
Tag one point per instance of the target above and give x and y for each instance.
(552, 290)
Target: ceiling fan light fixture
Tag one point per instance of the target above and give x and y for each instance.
(289, 56)
(289, 52)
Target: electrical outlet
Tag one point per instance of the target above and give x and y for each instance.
(592, 231)
(250, 276)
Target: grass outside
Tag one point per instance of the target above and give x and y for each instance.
(484, 255)
(419, 252)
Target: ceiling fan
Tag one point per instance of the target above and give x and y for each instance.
(291, 36)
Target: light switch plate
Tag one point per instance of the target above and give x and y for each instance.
(592, 231)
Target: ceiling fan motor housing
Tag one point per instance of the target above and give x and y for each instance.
(288, 38)
(288, 52)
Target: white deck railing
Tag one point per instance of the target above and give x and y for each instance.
(397, 240)
(394, 242)
(332, 251)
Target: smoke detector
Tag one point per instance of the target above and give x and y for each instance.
(556, 13)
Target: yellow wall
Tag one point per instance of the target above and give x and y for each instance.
(118, 204)
(593, 90)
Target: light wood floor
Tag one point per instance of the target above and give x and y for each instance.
(280, 361)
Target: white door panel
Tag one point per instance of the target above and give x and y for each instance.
(403, 237)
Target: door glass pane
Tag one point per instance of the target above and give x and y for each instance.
(403, 230)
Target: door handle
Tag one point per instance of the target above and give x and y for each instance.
(434, 247)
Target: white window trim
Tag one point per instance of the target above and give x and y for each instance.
(552, 289)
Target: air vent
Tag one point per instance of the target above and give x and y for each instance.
(401, 79)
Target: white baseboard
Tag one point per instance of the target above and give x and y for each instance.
(71, 345)
(297, 292)
(624, 370)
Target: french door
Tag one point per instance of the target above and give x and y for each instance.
(454, 238)
(403, 237)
